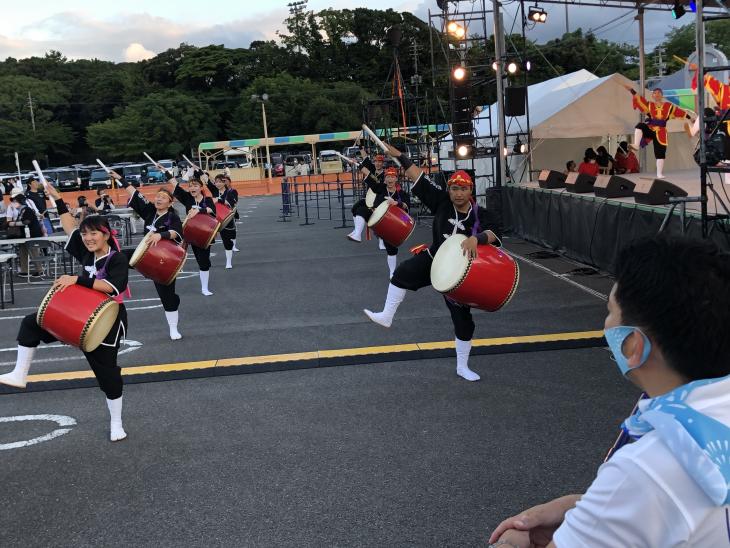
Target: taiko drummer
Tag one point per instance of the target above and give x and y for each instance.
(104, 269)
(225, 194)
(393, 193)
(196, 204)
(455, 212)
(163, 222)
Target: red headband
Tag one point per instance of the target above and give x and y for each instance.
(460, 178)
(379, 158)
(391, 171)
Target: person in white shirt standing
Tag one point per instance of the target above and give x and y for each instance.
(667, 316)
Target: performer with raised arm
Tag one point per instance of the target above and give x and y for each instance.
(654, 129)
(163, 222)
(196, 204)
(374, 176)
(455, 212)
(104, 269)
(223, 192)
(394, 194)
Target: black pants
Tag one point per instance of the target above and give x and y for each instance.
(169, 299)
(362, 210)
(389, 249)
(103, 360)
(660, 150)
(228, 234)
(415, 273)
(202, 256)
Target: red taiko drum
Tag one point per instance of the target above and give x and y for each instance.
(78, 316)
(391, 223)
(200, 230)
(223, 213)
(487, 282)
(160, 263)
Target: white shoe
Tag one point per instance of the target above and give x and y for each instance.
(393, 299)
(116, 430)
(172, 318)
(229, 258)
(463, 348)
(380, 318)
(468, 374)
(206, 292)
(18, 376)
(353, 237)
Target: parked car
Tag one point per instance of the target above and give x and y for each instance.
(64, 179)
(223, 164)
(99, 179)
(134, 173)
(170, 166)
(154, 176)
(330, 162)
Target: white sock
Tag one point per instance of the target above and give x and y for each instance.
(17, 377)
(381, 243)
(234, 245)
(117, 432)
(229, 258)
(204, 277)
(172, 322)
(392, 302)
(356, 233)
(462, 360)
(391, 263)
(660, 169)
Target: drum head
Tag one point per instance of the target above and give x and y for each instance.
(378, 213)
(141, 250)
(99, 325)
(370, 198)
(449, 266)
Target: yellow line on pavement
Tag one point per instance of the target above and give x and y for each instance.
(319, 354)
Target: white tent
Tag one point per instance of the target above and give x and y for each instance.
(579, 110)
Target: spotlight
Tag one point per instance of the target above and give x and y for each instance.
(536, 14)
(494, 66)
(678, 10)
(462, 151)
(455, 29)
(527, 66)
(459, 73)
(512, 67)
(520, 147)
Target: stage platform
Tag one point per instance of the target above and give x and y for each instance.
(593, 229)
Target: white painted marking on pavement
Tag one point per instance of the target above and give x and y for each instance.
(60, 420)
(130, 344)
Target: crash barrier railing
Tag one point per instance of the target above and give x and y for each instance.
(318, 197)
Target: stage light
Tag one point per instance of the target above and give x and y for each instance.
(462, 151)
(459, 73)
(494, 66)
(512, 67)
(520, 147)
(455, 29)
(537, 14)
(678, 11)
(527, 66)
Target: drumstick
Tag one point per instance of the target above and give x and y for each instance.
(678, 58)
(196, 166)
(346, 159)
(161, 168)
(378, 142)
(43, 181)
(102, 165)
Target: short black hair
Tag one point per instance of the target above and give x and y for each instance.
(677, 290)
(568, 164)
(101, 224)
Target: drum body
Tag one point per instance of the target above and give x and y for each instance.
(391, 223)
(160, 263)
(200, 230)
(487, 282)
(370, 198)
(224, 214)
(78, 316)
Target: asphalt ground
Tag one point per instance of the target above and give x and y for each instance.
(394, 453)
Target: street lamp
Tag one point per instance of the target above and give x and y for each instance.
(262, 99)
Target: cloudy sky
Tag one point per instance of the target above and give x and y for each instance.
(132, 30)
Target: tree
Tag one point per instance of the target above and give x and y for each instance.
(163, 123)
(681, 41)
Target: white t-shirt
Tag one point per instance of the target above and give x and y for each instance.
(643, 497)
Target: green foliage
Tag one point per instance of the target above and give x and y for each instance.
(681, 41)
(165, 123)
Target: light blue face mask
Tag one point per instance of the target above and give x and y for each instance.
(615, 337)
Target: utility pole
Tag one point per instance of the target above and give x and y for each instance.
(660, 65)
(32, 117)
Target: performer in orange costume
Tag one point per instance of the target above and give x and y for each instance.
(721, 94)
(654, 129)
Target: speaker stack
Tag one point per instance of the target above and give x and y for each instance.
(656, 192)
(613, 186)
(579, 183)
(551, 179)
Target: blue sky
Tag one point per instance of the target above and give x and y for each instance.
(131, 30)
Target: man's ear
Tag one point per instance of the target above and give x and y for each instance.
(634, 349)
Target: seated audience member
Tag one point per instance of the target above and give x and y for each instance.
(604, 160)
(589, 166)
(104, 202)
(671, 486)
(625, 161)
(570, 167)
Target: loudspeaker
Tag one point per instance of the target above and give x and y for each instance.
(656, 192)
(514, 100)
(613, 186)
(551, 179)
(579, 182)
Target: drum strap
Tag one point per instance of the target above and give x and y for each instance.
(101, 275)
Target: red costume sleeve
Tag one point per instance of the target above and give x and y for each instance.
(640, 103)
